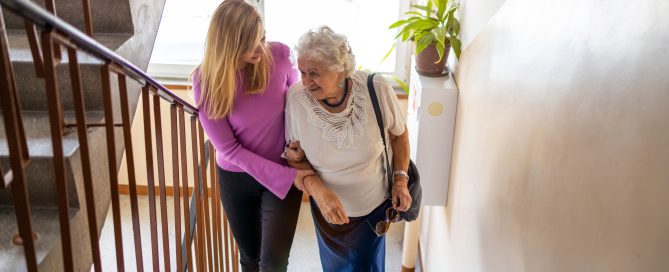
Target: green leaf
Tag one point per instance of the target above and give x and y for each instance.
(440, 51)
(424, 42)
(456, 45)
(436, 22)
(389, 51)
(398, 23)
(429, 7)
(451, 11)
(399, 34)
(401, 83)
(415, 13)
(440, 35)
(441, 7)
(406, 36)
(428, 10)
(455, 28)
(413, 19)
(450, 18)
(421, 24)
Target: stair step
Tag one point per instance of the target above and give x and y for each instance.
(39, 173)
(45, 224)
(32, 90)
(108, 16)
(20, 48)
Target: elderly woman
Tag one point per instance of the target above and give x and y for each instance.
(330, 119)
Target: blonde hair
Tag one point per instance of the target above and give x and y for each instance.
(236, 28)
(323, 45)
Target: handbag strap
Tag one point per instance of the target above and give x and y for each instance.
(379, 121)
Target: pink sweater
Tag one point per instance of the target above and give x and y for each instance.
(251, 138)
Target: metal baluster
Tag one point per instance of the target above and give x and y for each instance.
(56, 124)
(35, 50)
(80, 111)
(176, 189)
(130, 160)
(205, 198)
(88, 18)
(111, 159)
(216, 206)
(18, 151)
(161, 180)
(184, 180)
(198, 192)
(149, 176)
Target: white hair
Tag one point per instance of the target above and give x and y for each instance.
(329, 48)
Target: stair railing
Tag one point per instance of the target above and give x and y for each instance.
(18, 150)
(211, 245)
(218, 242)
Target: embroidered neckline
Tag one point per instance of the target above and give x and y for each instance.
(343, 126)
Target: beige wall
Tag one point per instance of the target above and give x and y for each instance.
(562, 141)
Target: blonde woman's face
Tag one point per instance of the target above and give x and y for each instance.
(252, 56)
(319, 81)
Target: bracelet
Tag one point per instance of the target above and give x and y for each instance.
(401, 173)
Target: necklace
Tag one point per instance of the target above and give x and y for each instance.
(325, 101)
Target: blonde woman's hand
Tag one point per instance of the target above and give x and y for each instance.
(294, 152)
(401, 198)
(328, 203)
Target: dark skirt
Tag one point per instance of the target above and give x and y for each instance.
(353, 246)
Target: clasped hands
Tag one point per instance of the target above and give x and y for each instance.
(309, 182)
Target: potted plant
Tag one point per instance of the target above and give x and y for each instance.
(434, 29)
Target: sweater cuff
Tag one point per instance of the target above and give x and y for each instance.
(284, 182)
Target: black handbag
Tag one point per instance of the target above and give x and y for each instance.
(415, 190)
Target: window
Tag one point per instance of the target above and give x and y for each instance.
(180, 42)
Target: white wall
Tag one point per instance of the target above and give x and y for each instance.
(561, 142)
(474, 15)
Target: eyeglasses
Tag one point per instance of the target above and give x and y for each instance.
(392, 216)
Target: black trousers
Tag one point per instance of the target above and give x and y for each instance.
(263, 225)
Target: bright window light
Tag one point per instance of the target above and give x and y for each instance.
(179, 44)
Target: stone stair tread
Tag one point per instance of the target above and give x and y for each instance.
(44, 223)
(108, 16)
(38, 134)
(20, 47)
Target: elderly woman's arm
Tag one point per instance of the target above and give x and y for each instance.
(328, 202)
(400, 194)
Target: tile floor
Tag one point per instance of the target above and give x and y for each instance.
(304, 253)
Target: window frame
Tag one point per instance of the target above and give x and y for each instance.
(178, 73)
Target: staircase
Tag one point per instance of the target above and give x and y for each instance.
(127, 27)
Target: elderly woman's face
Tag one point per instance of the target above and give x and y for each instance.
(318, 80)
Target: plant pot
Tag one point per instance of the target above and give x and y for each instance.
(425, 61)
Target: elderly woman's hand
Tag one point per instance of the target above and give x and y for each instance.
(401, 198)
(293, 152)
(328, 202)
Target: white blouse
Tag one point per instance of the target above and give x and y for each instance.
(345, 148)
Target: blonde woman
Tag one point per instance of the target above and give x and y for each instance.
(240, 90)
